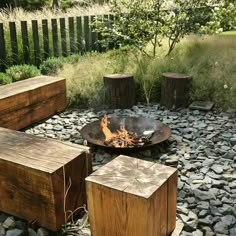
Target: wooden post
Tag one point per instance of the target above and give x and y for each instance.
(72, 34)
(36, 42)
(63, 36)
(119, 90)
(79, 34)
(14, 45)
(55, 37)
(25, 41)
(2, 49)
(132, 197)
(46, 50)
(175, 89)
(86, 33)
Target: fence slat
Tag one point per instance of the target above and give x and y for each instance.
(35, 31)
(93, 34)
(14, 47)
(111, 22)
(86, 33)
(79, 34)
(25, 41)
(72, 34)
(55, 37)
(46, 49)
(2, 49)
(63, 37)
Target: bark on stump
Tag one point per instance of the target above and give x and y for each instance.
(175, 89)
(119, 90)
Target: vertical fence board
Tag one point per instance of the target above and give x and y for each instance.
(79, 34)
(2, 49)
(93, 34)
(86, 33)
(46, 49)
(106, 20)
(111, 22)
(72, 34)
(14, 46)
(55, 37)
(25, 41)
(63, 37)
(36, 42)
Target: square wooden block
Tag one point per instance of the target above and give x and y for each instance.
(32, 174)
(132, 197)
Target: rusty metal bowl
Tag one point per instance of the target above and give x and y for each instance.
(92, 132)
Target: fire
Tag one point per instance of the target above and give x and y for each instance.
(122, 137)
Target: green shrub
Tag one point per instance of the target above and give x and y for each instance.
(52, 65)
(21, 72)
(5, 79)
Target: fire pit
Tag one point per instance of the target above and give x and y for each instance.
(125, 133)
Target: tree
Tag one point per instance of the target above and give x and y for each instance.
(139, 22)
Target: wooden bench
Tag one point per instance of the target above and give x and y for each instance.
(25, 102)
(32, 172)
(132, 197)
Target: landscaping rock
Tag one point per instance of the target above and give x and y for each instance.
(202, 146)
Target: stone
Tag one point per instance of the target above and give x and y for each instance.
(9, 223)
(229, 220)
(197, 233)
(42, 232)
(31, 232)
(203, 195)
(2, 230)
(178, 229)
(14, 232)
(217, 169)
(221, 228)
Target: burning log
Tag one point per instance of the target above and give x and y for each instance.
(123, 138)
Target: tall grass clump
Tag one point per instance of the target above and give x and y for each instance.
(212, 62)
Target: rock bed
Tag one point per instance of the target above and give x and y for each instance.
(203, 148)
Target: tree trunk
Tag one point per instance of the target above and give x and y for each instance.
(119, 90)
(175, 89)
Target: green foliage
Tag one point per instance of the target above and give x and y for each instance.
(139, 22)
(52, 65)
(5, 79)
(85, 78)
(21, 72)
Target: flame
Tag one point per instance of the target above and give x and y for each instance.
(121, 138)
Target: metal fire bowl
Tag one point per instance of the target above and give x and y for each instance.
(92, 132)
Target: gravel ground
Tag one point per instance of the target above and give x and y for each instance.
(202, 146)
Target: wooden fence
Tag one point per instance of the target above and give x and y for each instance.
(32, 42)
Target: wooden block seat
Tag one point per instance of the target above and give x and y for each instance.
(32, 177)
(132, 197)
(28, 101)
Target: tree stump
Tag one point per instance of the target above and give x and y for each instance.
(132, 197)
(175, 89)
(119, 90)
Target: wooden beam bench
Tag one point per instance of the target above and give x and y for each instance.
(28, 101)
(32, 174)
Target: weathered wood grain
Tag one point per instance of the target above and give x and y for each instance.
(130, 197)
(119, 90)
(35, 191)
(175, 89)
(25, 102)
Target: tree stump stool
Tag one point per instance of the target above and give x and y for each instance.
(175, 89)
(132, 197)
(119, 90)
